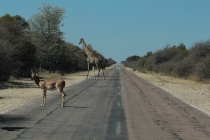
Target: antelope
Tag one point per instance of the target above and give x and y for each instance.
(51, 84)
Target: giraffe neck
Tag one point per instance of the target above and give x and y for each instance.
(87, 51)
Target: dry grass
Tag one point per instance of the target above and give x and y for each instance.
(193, 92)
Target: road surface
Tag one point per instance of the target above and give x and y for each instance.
(122, 107)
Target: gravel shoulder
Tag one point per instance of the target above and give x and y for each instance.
(194, 93)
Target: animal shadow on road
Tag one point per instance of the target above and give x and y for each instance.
(11, 119)
(77, 106)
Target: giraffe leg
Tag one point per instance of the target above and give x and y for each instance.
(103, 69)
(103, 73)
(98, 70)
(94, 72)
(88, 71)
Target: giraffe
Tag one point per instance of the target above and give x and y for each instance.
(93, 58)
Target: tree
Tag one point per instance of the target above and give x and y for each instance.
(133, 58)
(14, 28)
(6, 64)
(148, 54)
(45, 26)
(15, 46)
(46, 34)
(16, 19)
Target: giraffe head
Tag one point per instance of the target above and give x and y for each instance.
(81, 40)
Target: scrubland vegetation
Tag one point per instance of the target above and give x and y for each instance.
(177, 61)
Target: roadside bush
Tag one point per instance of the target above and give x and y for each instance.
(140, 63)
(182, 52)
(176, 61)
(109, 62)
(148, 66)
(164, 55)
(183, 68)
(200, 50)
(167, 67)
(202, 69)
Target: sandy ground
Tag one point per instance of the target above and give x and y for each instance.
(194, 93)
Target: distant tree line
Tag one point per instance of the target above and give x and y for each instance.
(25, 44)
(175, 61)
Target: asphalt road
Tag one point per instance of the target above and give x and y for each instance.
(91, 112)
(121, 107)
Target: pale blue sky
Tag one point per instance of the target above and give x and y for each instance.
(122, 28)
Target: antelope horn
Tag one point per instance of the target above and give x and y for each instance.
(32, 70)
(38, 69)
